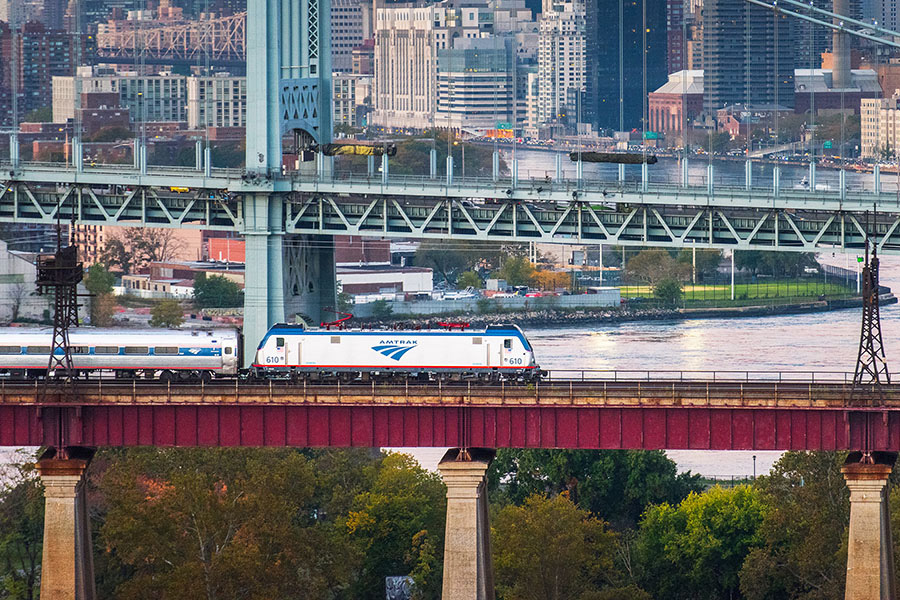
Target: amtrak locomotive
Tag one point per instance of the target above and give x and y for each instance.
(500, 351)
(286, 351)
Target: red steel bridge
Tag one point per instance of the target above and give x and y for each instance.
(652, 410)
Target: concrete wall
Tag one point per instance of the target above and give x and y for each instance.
(608, 297)
(17, 287)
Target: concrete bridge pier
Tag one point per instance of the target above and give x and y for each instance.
(468, 569)
(870, 561)
(67, 567)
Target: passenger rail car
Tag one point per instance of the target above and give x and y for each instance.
(497, 352)
(167, 354)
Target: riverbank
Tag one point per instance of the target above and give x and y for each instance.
(534, 319)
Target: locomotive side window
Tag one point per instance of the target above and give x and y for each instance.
(279, 342)
(228, 350)
(507, 344)
(106, 350)
(335, 339)
(166, 350)
(137, 350)
(38, 350)
(476, 341)
(10, 349)
(80, 350)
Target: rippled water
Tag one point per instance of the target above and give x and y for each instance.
(819, 342)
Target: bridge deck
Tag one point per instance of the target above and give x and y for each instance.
(576, 393)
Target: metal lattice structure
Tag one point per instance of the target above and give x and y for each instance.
(871, 363)
(61, 273)
(224, 38)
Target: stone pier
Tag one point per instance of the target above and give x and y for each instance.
(870, 561)
(468, 569)
(67, 569)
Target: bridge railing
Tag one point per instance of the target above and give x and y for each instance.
(673, 389)
(720, 376)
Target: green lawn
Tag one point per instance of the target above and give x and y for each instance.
(749, 293)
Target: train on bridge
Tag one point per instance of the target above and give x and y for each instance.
(287, 351)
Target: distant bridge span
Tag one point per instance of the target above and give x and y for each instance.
(658, 414)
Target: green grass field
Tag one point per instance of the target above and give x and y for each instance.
(748, 293)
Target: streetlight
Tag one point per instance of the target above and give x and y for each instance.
(754, 467)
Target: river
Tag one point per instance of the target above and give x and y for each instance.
(541, 163)
(818, 341)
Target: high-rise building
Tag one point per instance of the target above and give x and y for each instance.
(879, 127)
(405, 43)
(748, 56)
(561, 63)
(216, 101)
(475, 84)
(676, 27)
(150, 98)
(619, 37)
(350, 27)
(42, 54)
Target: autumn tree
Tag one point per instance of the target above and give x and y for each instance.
(219, 523)
(695, 550)
(552, 280)
(167, 313)
(136, 247)
(21, 531)
(398, 526)
(549, 549)
(654, 265)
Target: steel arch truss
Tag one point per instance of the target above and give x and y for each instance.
(591, 223)
(120, 205)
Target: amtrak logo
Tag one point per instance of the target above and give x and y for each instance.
(395, 348)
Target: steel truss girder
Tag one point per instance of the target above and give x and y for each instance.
(633, 224)
(584, 223)
(120, 205)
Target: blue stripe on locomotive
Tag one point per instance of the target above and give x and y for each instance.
(206, 352)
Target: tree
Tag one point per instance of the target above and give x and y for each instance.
(21, 531)
(40, 115)
(398, 526)
(449, 258)
(219, 523)
(616, 485)
(803, 553)
(654, 265)
(776, 264)
(99, 280)
(137, 247)
(167, 313)
(516, 270)
(549, 549)
(668, 292)
(111, 134)
(381, 309)
(17, 295)
(103, 308)
(707, 261)
(469, 279)
(552, 280)
(695, 550)
(216, 291)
